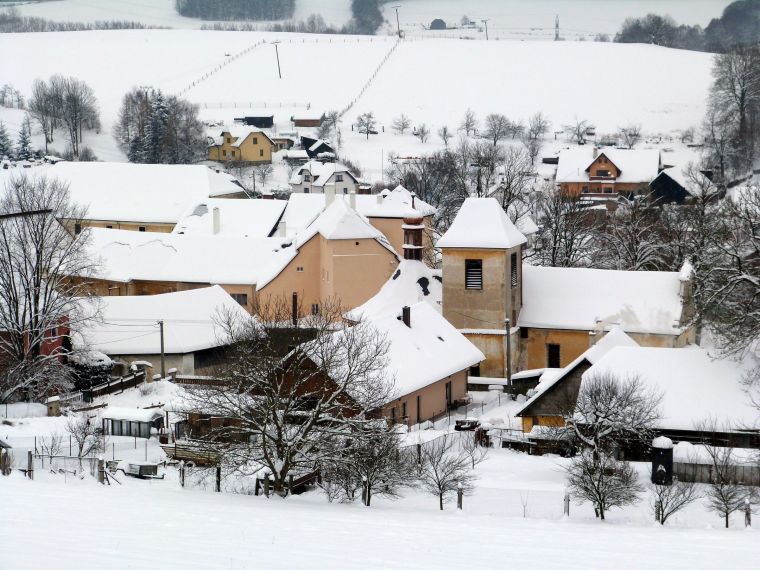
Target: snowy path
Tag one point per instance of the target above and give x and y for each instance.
(156, 523)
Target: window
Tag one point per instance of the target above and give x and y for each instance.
(241, 298)
(584, 190)
(261, 152)
(393, 414)
(307, 177)
(141, 229)
(306, 190)
(448, 395)
(419, 409)
(403, 410)
(228, 140)
(315, 308)
(77, 228)
(224, 153)
(255, 140)
(552, 356)
(473, 274)
(513, 269)
(299, 269)
(608, 190)
(338, 178)
(109, 227)
(233, 154)
(523, 333)
(345, 190)
(475, 371)
(602, 172)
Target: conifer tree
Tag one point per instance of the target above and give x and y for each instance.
(6, 147)
(24, 141)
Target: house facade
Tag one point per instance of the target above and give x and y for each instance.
(314, 177)
(607, 172)
(242, 145)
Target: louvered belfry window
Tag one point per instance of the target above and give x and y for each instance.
(473, 274)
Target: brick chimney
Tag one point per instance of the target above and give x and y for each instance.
(406, 316)
(413, 228)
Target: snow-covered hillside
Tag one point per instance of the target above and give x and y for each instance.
(432, 81)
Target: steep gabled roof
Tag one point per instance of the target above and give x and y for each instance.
(637, 166)
(481, 223)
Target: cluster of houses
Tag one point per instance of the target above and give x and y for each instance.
(177, 244)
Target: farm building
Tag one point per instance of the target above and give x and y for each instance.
(607, 172)
(132, 422)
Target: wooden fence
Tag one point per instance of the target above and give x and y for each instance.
(116, 385)
(705, 473)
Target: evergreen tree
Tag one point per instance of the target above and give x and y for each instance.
(6, 147)
(24, 141)
(156, 130)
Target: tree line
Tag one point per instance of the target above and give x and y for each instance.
(236, 9)
(13, 22)
(739, 25)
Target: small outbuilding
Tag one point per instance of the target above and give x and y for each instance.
(132, 422)
(438, 24)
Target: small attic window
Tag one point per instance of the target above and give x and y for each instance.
(299, 269)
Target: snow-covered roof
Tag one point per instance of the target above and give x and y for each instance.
(125, 256)
(303, 209)
(127, 192)
(337, 222)
(428, 351)
(694, 385)
(127, 325)
(412, 282)
(676, 175)
(132, 414)
(552, 376)
(239, 134)
(576, 298)
(241, 218)
(481, 223)
(321, 172)
(635, 165)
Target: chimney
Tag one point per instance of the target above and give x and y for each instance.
(329, 195)
(352, 200)
(216, 222)
(379, 199)
(413, 228)
(406, 316)
(596, 151)
(413, 197)
(282, 230)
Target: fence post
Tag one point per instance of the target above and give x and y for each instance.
(182, 473)
(101, 471)
(290, 484)
(266, 486)
(747, 513)
(566, 506)
(29, 465)
(218, 478)
(146, 449)
(460, 495)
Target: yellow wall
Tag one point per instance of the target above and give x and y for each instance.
(247, 151)
(545, 421)
(432, 399)
(121, 225)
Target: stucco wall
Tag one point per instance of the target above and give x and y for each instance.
(432, 399)
(247, 151)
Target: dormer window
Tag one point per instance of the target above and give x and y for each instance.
(307, 177)
(602, 172)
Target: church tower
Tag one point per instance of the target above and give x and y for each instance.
(482, 280)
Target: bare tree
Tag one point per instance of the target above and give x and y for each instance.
(471, 447)
(79, 110)
(329, 125)
(538, 126)
(366, 123)
(515, 178)
(631, 135)
(51, 444)
(443, 466)
(445, 134)
(263, 172)
(482, 161)
(667, 500)
(374, 462)
(602, 481)
(44, 109)
(292, 394)
(469, 123)
(83, 430)
(497, 127)
(567, 230)
(422, 133)
(611, 408)
(401, 124)
(577, 130)
(39, 301)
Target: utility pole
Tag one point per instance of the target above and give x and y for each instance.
(507, 326)
(486, 24)
(277, 52)
(163, 360)
(398, 26)
(556, 28)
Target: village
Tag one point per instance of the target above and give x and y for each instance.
(356, 331)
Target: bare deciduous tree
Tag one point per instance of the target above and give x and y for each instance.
(79, 110)
(443, 466)
(366, 123)
(667, 500)
(497, 127)
(445, 134)
(602, 481)
(83, 430)
(51, 444)
(469, 123)
(401, 124)
(631, 135)
(470, 446)
(38, 299)
(422, 133)
(292, 394)
(577, 130)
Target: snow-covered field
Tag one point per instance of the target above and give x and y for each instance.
(509, 18)
(432, 81)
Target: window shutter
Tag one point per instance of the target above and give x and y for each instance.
(473, 277)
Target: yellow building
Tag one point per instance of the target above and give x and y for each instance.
(242, 145)
(482, 281)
